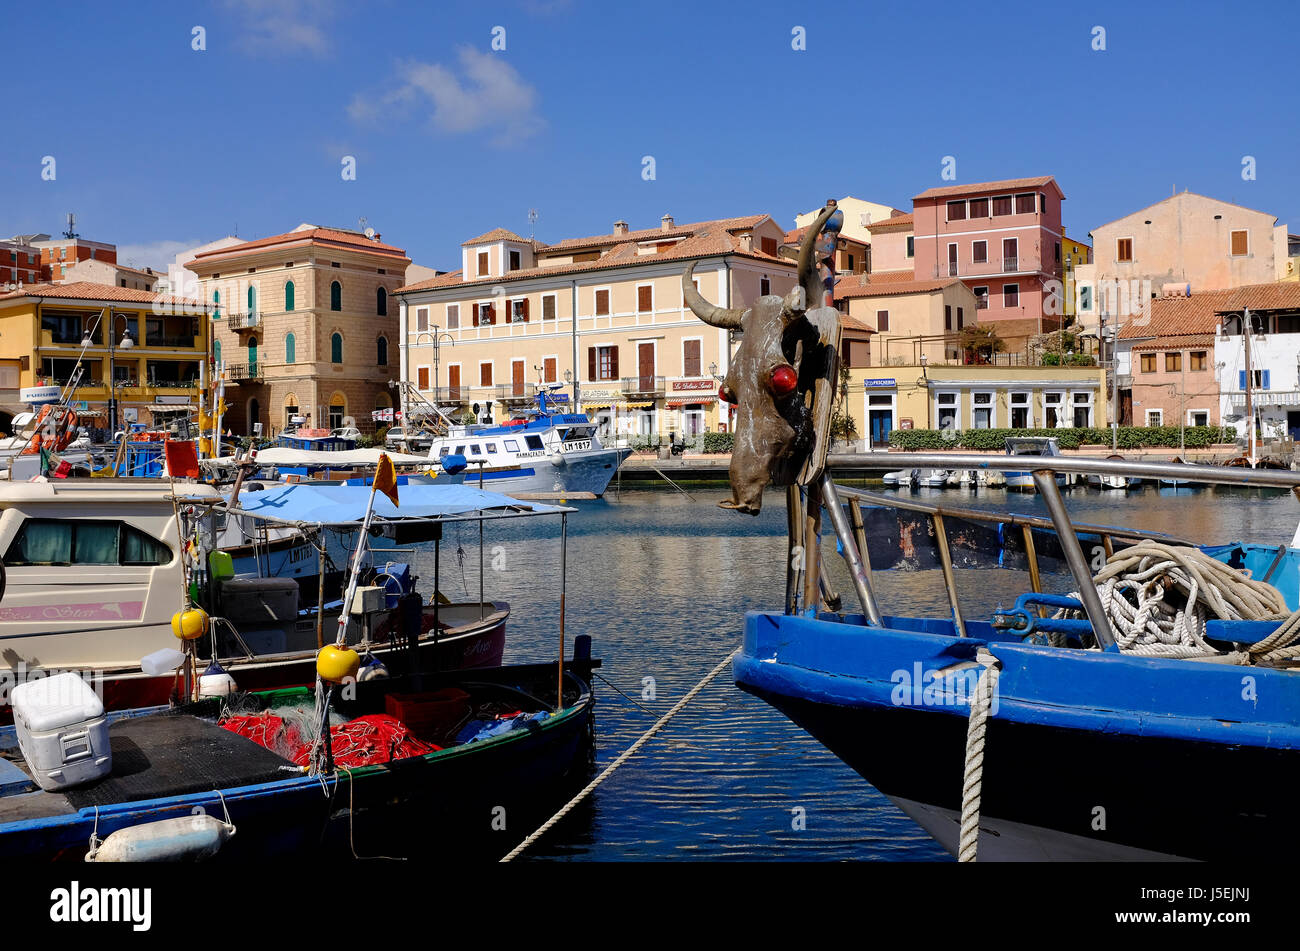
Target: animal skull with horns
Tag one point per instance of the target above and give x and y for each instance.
(782, 378)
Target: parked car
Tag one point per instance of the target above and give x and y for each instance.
(393, 439)
(346, 432)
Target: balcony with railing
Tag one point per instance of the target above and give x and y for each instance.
(244, 371)
(513, 392)
(644, 385)
(244, 321)
(1007, 264)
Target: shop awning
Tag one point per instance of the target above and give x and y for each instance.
(691, 401)
(640, 405)
(601, 404)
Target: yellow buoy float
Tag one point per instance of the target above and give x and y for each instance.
(187, 625)
(336, 664)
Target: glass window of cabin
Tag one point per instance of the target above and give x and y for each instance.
(460, 450)
(512, 445)
(65, 542)
(533, 442)
(475, 450)
(492, 447)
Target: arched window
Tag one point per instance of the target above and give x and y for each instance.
(288, 297)
(289, 354)
(336, 296)
(252, 358)
(381, 302)
(216, 351)
(216, 305)
(252, 300)
(336, 348)
(381, 351)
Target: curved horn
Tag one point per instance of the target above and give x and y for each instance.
(806, 273)
(711, 314)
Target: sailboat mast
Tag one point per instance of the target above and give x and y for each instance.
(1250, 404)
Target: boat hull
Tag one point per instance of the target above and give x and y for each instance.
(578, 472)
(1069, 772)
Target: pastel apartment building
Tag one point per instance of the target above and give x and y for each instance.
(59, 254)
(303, 324)
(1172, 369)
(603, 315)
(1002, 240)
(20, 261)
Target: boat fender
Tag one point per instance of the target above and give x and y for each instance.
(336, 663)
(557, 458)
(188, 625)
(184, 839)
(216, 682)
(372, 669)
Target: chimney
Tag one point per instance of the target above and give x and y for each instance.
(620, 227)
(747, 242)
(666, 222)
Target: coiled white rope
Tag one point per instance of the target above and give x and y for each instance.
(1159, 597)
(973, 775)
(622, 758)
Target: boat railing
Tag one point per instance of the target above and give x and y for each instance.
(806, 582)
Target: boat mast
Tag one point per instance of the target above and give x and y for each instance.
(1250, 404)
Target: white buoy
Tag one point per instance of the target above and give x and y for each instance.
(185, 839)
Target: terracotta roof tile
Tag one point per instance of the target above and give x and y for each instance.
(852, 323)
(1198, 314)
(88, 290)
(976, 187)
(647, 234)
(890, 287)
(896, 223)
(496, 234)
(1283, 295)
(327, 237)
(1179, 342)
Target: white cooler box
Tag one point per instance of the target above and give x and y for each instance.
(62, 731)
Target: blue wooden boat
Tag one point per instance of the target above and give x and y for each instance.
(1079, 749)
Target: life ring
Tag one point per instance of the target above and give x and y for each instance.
(65, 431)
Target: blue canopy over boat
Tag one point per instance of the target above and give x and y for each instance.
(346, 504)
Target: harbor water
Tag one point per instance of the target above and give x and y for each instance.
(661, 582)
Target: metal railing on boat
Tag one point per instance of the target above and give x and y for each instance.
(805, 510)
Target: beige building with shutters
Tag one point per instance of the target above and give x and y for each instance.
(303, 325)
(602, 315)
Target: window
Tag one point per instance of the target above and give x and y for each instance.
(1010, 254)
(533, 442)
(911, 246)
(1196, 360)
(1173, 362)
(512, 445)
(957, 210)
(1010, 295)
(550, 369)
(491, 447)
(1199, 417)
(979, 207)
(338, 409)
(961, 317)
(882, 321)
(1240, 243)
(602, 303)
(645, 298)
(981, 298)
(1001, 206)
(336, 348)
(336, 296)
(453, 318)
(290, 352)
(519, 311)
(947, 318)
(1124, 249)
(1148, 363)
(1019, 410)
(690, 358)
(1155, 417)
(602, 363)
(1085, 298)
(516, 261)
(948, 410)
(982, 410)
(484, 314)
(64, 542)
(422, 378)
(1058, 252)
(979, 252)
(484, 375)
(381, 351)
(768, 246)
(764, 286)
(1025, 204)
(850, 267)
(422, 317)
(288, 295)
(252, 301)
(1082, 409)
(381, 302)
(482, 264)
(1260, 379)
(216, 351)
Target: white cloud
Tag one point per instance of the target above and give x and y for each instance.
(486, 95)
(155, 254)
(279, 27)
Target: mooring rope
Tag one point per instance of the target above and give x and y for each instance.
(622, 758)
(973, 775)
(1135, 588)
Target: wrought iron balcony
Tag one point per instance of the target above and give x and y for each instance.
(513, 392)
(244, 371)
(244, 321)
(644, 385)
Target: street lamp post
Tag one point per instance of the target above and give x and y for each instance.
(126, 344)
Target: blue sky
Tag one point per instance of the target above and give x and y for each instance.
(159, 146)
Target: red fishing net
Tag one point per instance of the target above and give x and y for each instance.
(364, 741)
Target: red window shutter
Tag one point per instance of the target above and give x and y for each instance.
(492, 313)
(525, 310)
(474, 308)
(613, 362)
(591, 363)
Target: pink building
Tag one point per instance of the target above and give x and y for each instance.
(1003, 240)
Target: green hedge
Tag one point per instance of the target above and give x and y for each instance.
(718, 442)
(993, 440)
(1068, 360)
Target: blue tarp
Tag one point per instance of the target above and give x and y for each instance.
(346, 504)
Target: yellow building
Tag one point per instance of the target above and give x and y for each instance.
(1074, 254)
(925, 396)
(603, 314)
(911, 319)
(149, 345)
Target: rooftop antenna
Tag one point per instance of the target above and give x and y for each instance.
(71, 233)
(532, 222)
(361, 224)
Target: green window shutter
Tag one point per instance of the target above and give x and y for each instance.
(289, 355)
(288, 297)
(252, 301)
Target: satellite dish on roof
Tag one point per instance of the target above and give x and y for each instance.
(370, 233)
